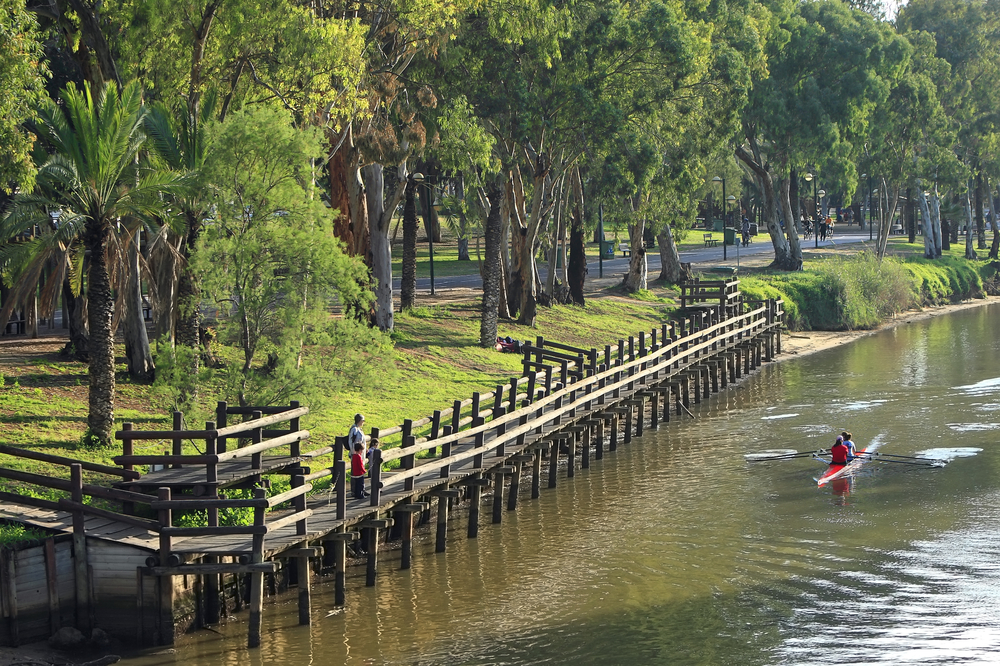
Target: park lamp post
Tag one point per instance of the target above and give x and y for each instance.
(819, 197)
(729, 199)
(808, 177)
(717, 179)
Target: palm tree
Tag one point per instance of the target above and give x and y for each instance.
(96, 180)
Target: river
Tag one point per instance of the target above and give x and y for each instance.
(674, 550)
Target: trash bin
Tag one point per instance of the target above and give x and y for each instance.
(608, 249)
(717, 225)
(730, 235)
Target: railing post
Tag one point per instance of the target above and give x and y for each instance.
(127, 445)
(446, 452)
(166, 614)
(177, 449)
(302, 563)
(295, 448)
(376, 477)
(221, 420)
(256, 437)
(435, 429)
(477, 421)
(211, 475)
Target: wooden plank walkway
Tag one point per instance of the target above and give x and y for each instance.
(590, 404)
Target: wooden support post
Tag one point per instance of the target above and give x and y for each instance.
(441, 540)
(553, 462)
(444, 495)
(585, 441)
(515, 479)
(696, 376)
(640, 412)
(302, 563)
(475, 497)
(52, 584)
(686, 388)
(403, 519)
(498, 482)
(536, 473)
(628, 426)
(599, 452)
(256, 577)
(81, 563)
(571, 455)
(654, 416)
(613, 444)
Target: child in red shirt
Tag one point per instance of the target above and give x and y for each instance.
(358, 472)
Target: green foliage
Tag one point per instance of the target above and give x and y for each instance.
(859, 292)
(90, 441)
(22, 74)
(12, 534)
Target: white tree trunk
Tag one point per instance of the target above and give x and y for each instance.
(379, 221)
(928, 224)
(970, 228)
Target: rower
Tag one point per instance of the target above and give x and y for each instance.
(838, 454)
(851, 451)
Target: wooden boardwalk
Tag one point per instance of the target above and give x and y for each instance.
(570, 407)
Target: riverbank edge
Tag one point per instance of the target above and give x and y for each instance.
(794, 345)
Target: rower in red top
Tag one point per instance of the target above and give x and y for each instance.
(838, 454)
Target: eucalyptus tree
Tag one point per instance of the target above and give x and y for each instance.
(966, 35)
(96, 178)
(828, 68)
(912, 144)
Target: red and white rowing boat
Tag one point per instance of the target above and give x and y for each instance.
(837, 471)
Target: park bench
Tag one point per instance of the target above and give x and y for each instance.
(710, 241)
(625, 249)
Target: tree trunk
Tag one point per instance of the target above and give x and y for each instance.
(783, 257)
(100, 310)
(463, 222)
(408, 286)
(995, 221)
(791, 230)
(671, 268)
(970, 252)
(909, 211)
(492, 271)
(793, 198)
(635, 278)
(167, 270)
(980, 221)
(137, 353)
(340, 198)
(925, 213)
(432, 223)
(577, 265)
(76, 322)
(381, 248)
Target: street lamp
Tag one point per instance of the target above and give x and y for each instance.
(820, 195)
(723, 181)
(730, 199)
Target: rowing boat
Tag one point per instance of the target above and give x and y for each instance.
(837, 471)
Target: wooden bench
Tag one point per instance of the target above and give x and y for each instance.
(625, 249)
(710, 241)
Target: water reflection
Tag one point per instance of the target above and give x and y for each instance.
(674, 550)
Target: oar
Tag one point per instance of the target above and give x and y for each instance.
(894, 455)
(758, 457)
(926, 463)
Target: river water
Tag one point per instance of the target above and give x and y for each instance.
(674, 550)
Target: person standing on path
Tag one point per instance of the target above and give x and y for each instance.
(358, 472)
(355, 435)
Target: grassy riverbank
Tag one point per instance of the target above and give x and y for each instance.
(436, 358)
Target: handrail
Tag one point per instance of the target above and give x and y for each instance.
(709, 335)
(60, 460)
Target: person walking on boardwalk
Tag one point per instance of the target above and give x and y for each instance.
(852, 452)
(838, 454)
(370, 454)
(355, 435)
(358, 472)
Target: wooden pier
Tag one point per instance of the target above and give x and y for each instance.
(570, 407)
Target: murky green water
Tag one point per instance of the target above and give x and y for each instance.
(676, 551)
